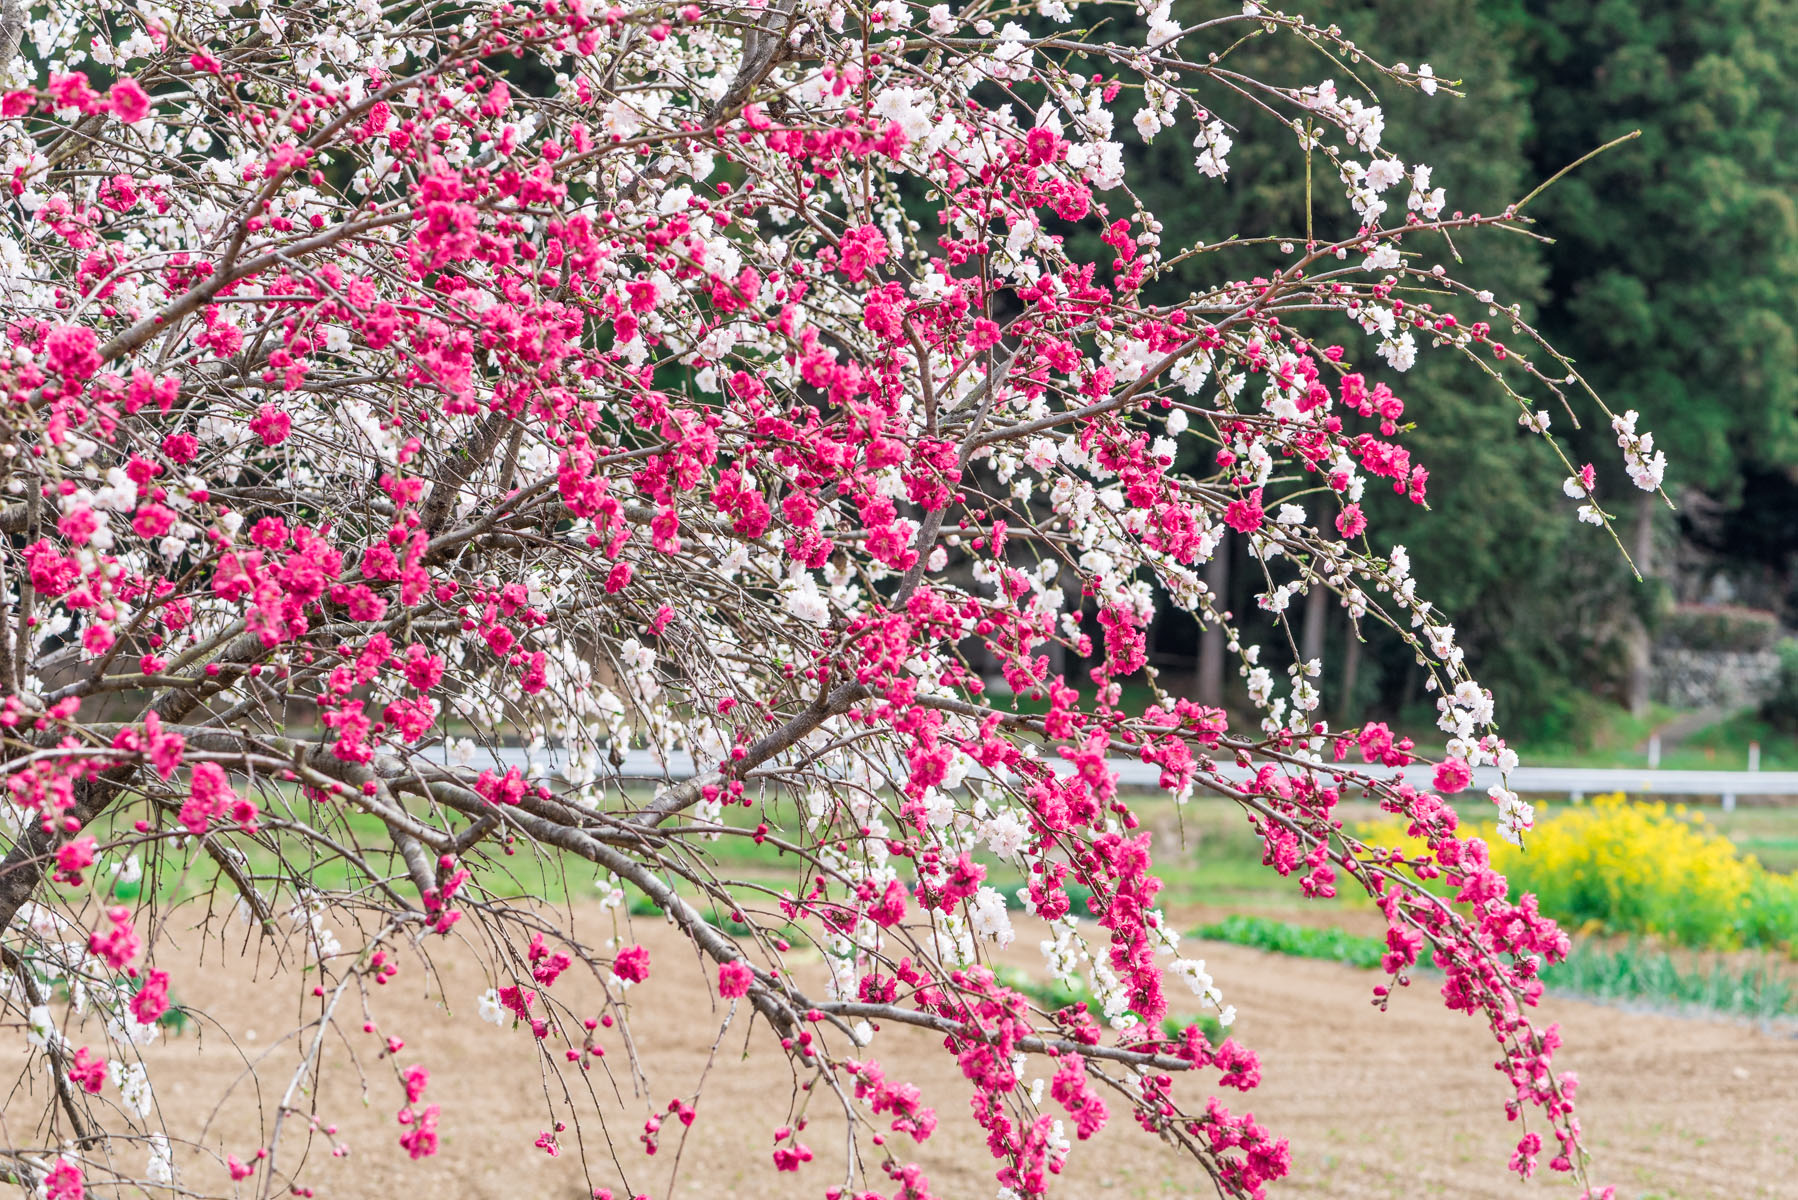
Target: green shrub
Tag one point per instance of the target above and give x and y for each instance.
(1770, 917)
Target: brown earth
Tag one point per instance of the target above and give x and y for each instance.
(1396, 1104)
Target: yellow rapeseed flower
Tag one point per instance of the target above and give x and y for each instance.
(1624, 867)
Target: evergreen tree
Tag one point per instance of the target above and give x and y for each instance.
(1491, 574)
(1673, 280)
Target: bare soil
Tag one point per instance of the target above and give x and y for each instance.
(1403, 1103)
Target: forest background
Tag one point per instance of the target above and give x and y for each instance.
(1668, 271)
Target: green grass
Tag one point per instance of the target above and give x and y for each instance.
(1302, 941)
(527, 870)
(1600, 734)
(1776, 851)
(1608, 736)
(1611, 736)
(1052, 995)
(1214, 859)
(1724, 746)
(1768, 833)
(1638, 975)
(1631, 974)
(1079, 897)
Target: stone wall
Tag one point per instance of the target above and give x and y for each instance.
(1725, 679)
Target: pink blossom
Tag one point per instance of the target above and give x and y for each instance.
(501, 789)
(88, 1072)
(518, 1001)
(128, 101)
(64, 1182)
(209, 798)
(791, 1158)
(72, 90)
(423, 669)
(72, 858)
(1245, 515)
(152, 998)
(78, 525)
(73, 351)
(153, 520)
(632, 964)
(734, 979)
(271, 424)
(860, 250)
(420, 1139)
(1071, 1090)
(1452, 775)
(118, 944)
(166, 749)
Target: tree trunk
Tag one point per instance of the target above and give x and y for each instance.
(1211, 638)
(1351, 670)
(1640, 656)
(1317, 612)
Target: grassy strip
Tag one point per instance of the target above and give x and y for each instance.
(1301, 941)
(1079, 897)
(1630, 974)
(1053, 995)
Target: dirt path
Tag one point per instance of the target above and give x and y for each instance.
(1399, 1104)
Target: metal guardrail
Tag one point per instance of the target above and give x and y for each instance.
(1573, 782)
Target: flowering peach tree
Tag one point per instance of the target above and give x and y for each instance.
(439, 430)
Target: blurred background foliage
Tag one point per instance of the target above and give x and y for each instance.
(1668, 272)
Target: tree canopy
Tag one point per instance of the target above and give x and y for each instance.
(647, 438)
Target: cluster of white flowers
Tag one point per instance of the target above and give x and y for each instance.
(1516, 816)
(1576, 488)
(1645, 464)
(1213, 145)
(988, 918)
(1192, 972)
(133, 1083)
(1005, 834)
(309, 917)
(1459, 712)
